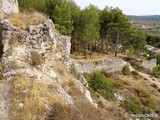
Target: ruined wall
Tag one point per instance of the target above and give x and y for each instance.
(149, 64)
(24, 48)
(8, 6)
(39, 43)
(106, 65)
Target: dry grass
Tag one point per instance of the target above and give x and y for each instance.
(23, 20)
(34, 95)
(1, 16)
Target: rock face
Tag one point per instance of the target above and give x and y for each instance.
(106, 65)
(149, 64)
(34, 51)
(8, 6)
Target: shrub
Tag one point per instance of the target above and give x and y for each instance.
(142, 93)
(102, 85)
(126, 70)
(37, 59)
(132, 105)
(148, 102)
(156, 71)
(146, 99)
(118, 84)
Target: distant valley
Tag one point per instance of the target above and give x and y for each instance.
(149, 24)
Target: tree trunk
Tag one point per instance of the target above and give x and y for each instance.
(116, 44)
(107, 42)
(85, 51)
(71, 46)
(102, 45)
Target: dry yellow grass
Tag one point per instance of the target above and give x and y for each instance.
(34, 95)
(23, 20)
(1, 16)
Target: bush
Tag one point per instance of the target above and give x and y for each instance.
(126, 70)
(102, 85)
(142, 93)
(119, 84)
(146, 99)
(37, 59)
(156, 71)
(132, 105)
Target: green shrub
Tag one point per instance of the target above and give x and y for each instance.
(102, 85)
(156, 71)
(142, 93)
(146, 99)
(148, 102)
(132, 105)
(119, 84)
(126, 70)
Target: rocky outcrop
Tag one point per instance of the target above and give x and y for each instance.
(33, 51)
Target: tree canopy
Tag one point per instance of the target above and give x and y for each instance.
(91, 27)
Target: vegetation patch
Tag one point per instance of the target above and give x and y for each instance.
(23, 20)
(99, 83)
(33, 99)
(132, 105)
(156, 71)
(37, 59)
(146, 99)
(126, 70)
(119, 84)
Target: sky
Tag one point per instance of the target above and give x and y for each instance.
(129, 7)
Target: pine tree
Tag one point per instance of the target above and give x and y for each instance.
(88, 30)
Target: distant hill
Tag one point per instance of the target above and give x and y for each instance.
(149, 24)
(149, 18)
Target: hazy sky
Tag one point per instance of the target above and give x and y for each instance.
(129, 7)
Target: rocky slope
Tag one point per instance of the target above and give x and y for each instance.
(40, 54)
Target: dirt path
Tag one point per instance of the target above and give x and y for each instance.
(152, 79)
(5, 98)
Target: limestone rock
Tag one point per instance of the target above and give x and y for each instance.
(42, 40)
(9, 6)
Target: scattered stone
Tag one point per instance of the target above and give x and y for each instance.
(48, 108)
(120, 98)
(20, 105)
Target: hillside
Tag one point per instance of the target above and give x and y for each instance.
(149, 24)
(149, 18)
(41, 80)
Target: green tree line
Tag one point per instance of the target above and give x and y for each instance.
(91, 29)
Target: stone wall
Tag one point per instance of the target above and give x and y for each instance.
(106, 65)
(149, 64)
(8, 6)
(42, 40)
(45, 42)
